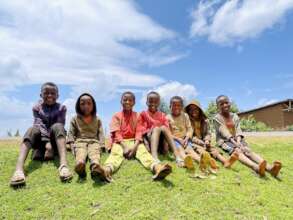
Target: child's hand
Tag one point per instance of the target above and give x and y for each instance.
(48, 146)
(185, 142)
(131, 153)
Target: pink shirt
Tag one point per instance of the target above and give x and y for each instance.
(148, 120)
(124, 126)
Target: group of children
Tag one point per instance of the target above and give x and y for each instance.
(185, 132)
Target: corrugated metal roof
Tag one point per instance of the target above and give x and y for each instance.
(266, 106)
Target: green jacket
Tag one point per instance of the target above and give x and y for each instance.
(80, 131)
(222, 132)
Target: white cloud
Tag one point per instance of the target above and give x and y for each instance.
(265, 101)
(170, 89)
(87, 45)
(52, 40)
(228, 22)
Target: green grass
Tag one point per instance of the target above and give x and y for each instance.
(234, 194)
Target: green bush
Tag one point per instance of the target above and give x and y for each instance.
(290, 128)
(250, 124)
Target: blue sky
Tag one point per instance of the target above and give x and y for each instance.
(196, 49)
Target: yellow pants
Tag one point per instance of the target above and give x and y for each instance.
(116, 157)
(84, 149)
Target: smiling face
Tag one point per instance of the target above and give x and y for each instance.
(49, 95)
(86, 105)
(127, 102)
(153, 102)
(194, 111)
(176, 107)
(224, 105)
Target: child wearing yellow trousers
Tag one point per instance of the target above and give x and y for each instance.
(127, 143)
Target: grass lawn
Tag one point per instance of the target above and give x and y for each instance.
(234, 194)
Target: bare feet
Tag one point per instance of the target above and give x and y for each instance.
(161, 171)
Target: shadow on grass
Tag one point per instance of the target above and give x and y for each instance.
(32, 166)
(167, 183)
(97, 182)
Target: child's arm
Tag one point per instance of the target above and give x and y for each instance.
(62, 115)
(239, 134)
(38, 122)
(207, 134)
(101, 135)
(189, 132)
(72, 133)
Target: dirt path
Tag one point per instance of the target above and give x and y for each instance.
(270, 134)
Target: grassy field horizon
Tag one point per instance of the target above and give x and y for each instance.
(232, 194)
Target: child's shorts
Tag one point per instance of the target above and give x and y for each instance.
(178, 144)
(229, 146)
(36, 141)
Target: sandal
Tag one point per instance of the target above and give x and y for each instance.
(161, 171)
(180, 162)
(233, 158)
(204, 162)
(64, 173)
(188, 163)
(262, 168)
(17, 179)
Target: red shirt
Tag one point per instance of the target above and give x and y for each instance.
(148, 120)
(124, 126)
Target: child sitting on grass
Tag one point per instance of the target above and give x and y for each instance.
(154, 126)
(201, 137)
(86, 136)
(230, 138)
(46, 136)
(182, 132)
(127, 142)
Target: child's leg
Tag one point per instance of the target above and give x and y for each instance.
(195, 156)
(59, 135)
(168, 137)
(80, 151)
(254, 156)
(155, 138)
(145, 157)
(94, 153)
(258, 168)
(31, 139)
(226, 162)
(115, 159)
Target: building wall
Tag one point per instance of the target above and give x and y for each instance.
(288, 118)
(272, 116)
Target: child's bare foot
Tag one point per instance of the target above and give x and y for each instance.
(262, 168)
(161, 171)
(277, 165)
(103, 173)
(17, 179)
(233, 158)
(80, 169)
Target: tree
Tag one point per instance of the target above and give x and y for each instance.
(9, 134)
(17, 134)
(164, 107)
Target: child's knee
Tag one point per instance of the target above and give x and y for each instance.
(58, 130)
